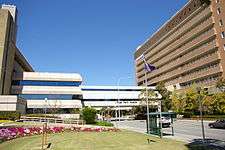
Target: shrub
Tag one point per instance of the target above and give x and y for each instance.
(89, 115)
(104, 123)
(9, 115)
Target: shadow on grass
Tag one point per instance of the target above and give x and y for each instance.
(209, 144)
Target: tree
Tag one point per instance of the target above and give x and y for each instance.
(221, 84)
(191, 100)
(89, 115)
(75, 110)
(208, 103)
(178, 102)
(151, 94)
(219, 103)
(166, 100)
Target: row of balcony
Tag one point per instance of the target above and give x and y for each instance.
(192, 44)
(207, 60)
(203, 74)
(178, 47)
(179, 44)
(193, 75)
(179, 32)
(177, 72)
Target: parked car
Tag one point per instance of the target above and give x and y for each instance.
(166, 122)
(220, 124)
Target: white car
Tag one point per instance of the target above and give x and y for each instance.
(166, 122)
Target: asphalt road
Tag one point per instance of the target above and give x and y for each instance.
(185, 130)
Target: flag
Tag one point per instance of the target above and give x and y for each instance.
(148, 67)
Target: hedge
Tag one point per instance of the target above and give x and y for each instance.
(209, 117)
(104, 123)
(9, 115)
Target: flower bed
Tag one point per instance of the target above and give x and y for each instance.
(15, 132)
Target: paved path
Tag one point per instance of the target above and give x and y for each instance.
(185, 130)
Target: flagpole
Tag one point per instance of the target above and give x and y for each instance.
(146, 84)
(147, 68)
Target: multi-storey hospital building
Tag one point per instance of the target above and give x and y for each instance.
(188, 49)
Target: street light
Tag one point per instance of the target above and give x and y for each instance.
(200, 101)
(46, 99)
(118, 90)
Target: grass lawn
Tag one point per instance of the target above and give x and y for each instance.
(124, 140)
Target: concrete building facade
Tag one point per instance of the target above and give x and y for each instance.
(188, 49)
(48, 90)
(11, 59)
(116, 97)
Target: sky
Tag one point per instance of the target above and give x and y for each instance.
(95, 38)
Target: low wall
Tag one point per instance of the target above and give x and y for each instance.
(12, 103)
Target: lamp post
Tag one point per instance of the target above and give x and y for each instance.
(46, 99)
(118, 90)
(200, 102)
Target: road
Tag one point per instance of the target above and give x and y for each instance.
(184, 130)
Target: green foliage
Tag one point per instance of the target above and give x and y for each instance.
(9, 115)
(75, 111)
(219, 103)
(89, 115)
(166, 100)
(188, 103)
(6, 121)
(191, 100)
(104, 123)
(221, 84)
(178, 103)
(209, 117)
(147, 93)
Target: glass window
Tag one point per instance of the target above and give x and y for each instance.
(111, 89)
(218, 11)
(46, 83)
(50, 96)
(222, 35)
(220, 22)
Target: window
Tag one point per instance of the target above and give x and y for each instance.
(224, 46)
(49, 96)
(220, 22)
(46, 83)
(218, 11)
(222, 35)
(217, 1)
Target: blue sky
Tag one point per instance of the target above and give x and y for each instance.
(96, 38)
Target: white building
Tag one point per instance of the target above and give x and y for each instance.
(116, 97)
(64, 91)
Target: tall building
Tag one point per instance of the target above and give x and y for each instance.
(11, 59)
(188, 49)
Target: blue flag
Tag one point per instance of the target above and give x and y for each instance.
(148, 67)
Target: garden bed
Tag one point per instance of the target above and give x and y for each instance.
(16, 132)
